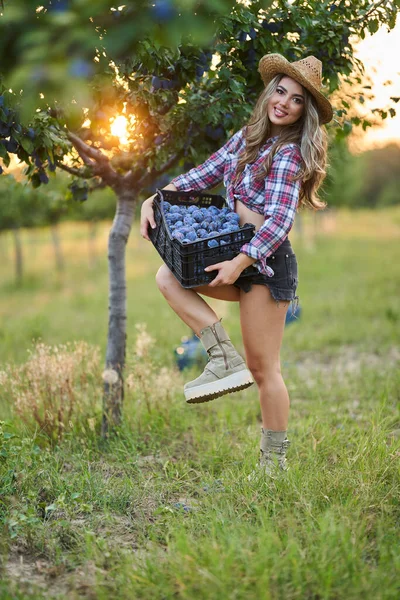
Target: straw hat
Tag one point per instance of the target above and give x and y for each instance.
(307, 72)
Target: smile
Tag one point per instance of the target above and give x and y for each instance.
(279, 113)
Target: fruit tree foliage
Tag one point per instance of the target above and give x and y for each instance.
(183, 94)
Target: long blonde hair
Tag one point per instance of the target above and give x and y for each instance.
(306, 132)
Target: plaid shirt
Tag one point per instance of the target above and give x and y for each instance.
(275, 197)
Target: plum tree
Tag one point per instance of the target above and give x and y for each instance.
(182, 90)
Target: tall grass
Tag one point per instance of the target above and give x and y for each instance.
(165, 508)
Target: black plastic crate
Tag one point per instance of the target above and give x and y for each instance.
(188, 261)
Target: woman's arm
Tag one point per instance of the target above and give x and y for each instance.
(205, 176)
(229, 270)
(211, 172)
(147, 213)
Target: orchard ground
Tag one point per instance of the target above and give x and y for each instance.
(164, 508)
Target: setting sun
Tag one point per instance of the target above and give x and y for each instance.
(119, 128)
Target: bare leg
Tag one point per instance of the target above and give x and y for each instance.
(188, 305)
(263, 322)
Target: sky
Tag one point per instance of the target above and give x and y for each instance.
(380, 55)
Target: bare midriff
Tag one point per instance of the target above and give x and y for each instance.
(248, 216)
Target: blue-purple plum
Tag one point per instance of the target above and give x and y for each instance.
(212, 244)
(198, 216)
(43, 177)
(80, 68)
(156, 82)
(202, 233)
(192, 236)
(163, 10)
(186, 229)
(4, 130)
(213, 210)
(11, 146)
(199, 71)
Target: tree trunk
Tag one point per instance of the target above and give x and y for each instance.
(116, 341)
(57, 248)
(18, 255)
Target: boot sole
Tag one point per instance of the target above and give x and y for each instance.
(220, 387)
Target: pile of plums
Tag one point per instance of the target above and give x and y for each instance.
(192, 223)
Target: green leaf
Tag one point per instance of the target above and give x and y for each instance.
(373, 26)
(6, 159)
(27, 144)
(347, 127)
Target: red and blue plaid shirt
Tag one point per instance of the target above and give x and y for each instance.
(276, 196)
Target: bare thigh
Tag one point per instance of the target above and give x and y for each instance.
(263, 323)
(228, 293)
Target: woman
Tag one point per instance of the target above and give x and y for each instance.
(269, 168)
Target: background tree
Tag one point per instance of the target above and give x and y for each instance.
(19, 207)
(171, 99)
(381, 176)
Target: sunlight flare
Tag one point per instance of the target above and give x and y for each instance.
(119, 128)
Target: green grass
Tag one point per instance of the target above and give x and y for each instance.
(164, 509)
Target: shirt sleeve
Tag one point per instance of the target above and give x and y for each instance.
(211, 172)
(281, 198)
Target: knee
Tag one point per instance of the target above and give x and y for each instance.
(164, 279)
(263, 373)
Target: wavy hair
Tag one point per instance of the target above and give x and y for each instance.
(306, 132)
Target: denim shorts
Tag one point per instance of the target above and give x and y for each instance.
(283, 284)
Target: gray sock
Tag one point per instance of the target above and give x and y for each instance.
(271, 439)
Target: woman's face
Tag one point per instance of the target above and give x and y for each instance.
(286, 105)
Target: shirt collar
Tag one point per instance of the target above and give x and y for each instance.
(271, 140)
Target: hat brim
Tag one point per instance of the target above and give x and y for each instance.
(275, 64)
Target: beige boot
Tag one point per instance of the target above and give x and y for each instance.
(225, 371)
(273, 447)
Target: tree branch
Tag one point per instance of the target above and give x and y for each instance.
(89, 151)
(94, 158)
(157, 172)
(72, 170)
(368, 13)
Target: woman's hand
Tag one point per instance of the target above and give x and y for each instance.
(147, 213)
(227, 273)
(229, 270)
(147, 218)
